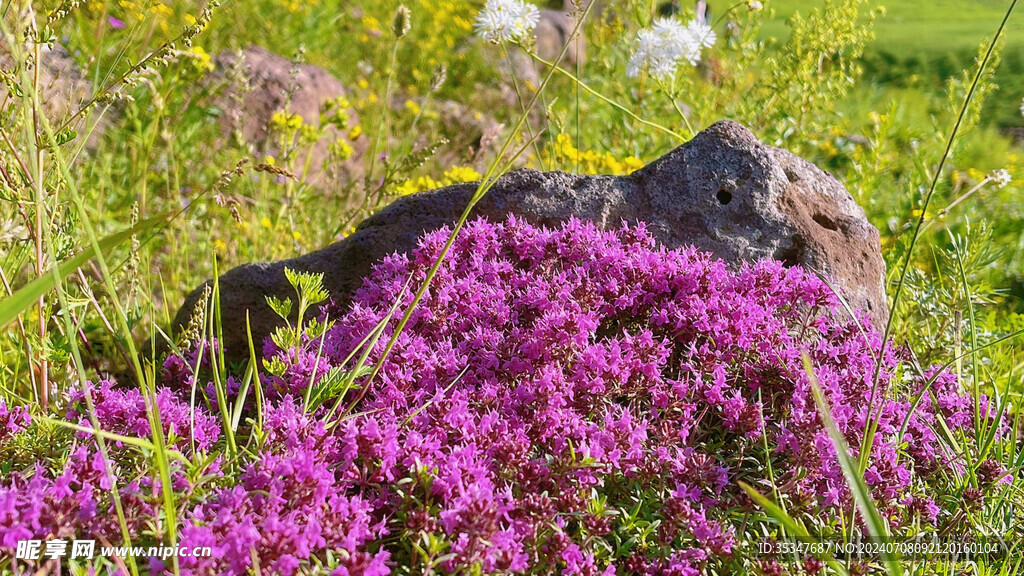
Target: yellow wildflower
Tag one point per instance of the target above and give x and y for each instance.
(591, 161)
(161, 9)
(633, 163)
(406, 188)
(372, 25)
(202, 59)
(459, 174)
(343, 150)
(454, 175)
(283, 120)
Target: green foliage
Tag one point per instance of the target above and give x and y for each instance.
(877, 527)
(334, 384)
(310, 292)
(818, 65)
(920, 44)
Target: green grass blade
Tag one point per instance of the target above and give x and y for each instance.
(29, 294)
(877, 527)
(789, 523)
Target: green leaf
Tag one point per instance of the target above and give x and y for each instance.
(334, 384)
(282, 307)
(30, 293)
(274, 366)
(66, 136)
(308, 285)
(283, 338)
(315, 329)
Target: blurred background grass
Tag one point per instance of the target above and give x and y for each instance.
(920, 44)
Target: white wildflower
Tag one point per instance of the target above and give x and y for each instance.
(702, 33)
(506, 20)
(660, 48)
(678, 41)
(1000, 177)
(754, 5)
(648, 53)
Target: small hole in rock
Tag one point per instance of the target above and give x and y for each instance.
(724, 197)
(794, 254)
(826, 222)
(791, 257)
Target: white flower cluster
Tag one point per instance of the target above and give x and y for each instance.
(506, 21)
(660, 48)
(1000, 177)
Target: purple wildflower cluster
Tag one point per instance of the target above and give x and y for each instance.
(12, 420)
(297, 500)
(562, 400)
(76, 497)
(544, 366)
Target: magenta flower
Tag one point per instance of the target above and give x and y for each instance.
(551, 384)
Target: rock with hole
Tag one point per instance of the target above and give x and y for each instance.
(723, 192)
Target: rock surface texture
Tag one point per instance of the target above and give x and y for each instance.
(258, 85)
(64, 88)
(553, 31)
(723, 192)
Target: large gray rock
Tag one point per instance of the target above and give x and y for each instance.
(723, 192)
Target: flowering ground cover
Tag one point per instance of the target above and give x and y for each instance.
(564, 400)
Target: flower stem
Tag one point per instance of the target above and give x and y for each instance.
(607, 100)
